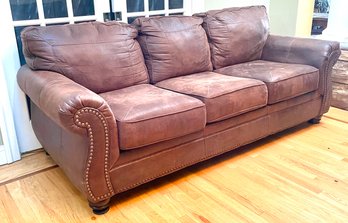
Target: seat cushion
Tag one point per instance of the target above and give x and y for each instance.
(173, 46)
(100, 56)
(236, 35)
(146, 114)
(283, 80)
(224, 96)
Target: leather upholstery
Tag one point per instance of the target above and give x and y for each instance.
(132, 155)
(92, 137)
(100, 56)
(284, 81)
(149, 114)
(317, 53)
(173, 46)
(79, 111)
(236, 35)
(224, 96)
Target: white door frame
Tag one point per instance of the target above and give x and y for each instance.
(9, 151)
(14, 107)
(26, 138)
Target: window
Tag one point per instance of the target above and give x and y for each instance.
(47, 12)
(147, 8)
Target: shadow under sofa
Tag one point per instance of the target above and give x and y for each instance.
(119, 105)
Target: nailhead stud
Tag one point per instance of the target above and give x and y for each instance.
(91, 149)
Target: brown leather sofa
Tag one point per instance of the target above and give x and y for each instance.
(119, 105)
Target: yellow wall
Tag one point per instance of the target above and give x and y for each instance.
(304, 18)
(291, 17)
(287, 17)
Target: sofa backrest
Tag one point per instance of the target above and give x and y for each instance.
(236, 35)
(100, 56)
(173, 46)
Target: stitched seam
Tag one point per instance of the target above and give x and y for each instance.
(299, 75)
(241, 89)
(151, 76)
(164, 115)
(239, 112)
(326, 97)
(76, 44)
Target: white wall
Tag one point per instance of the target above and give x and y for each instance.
(219, 4)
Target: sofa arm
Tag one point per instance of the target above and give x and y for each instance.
(317, 53)
(77, 109)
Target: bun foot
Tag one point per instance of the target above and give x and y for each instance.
(315, 120)
(101, 207)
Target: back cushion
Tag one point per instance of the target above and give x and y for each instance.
(100, 56)
(173, 46)
(236, 35)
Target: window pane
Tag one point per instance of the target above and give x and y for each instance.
(176, 4)
(131, 19)
(156, 5)
(18, 31)
(83, 7)
(54, 24)
(135, 5)
(55, 9)
(23, 9)
(84, 21)
(179, 13)
(157, 15)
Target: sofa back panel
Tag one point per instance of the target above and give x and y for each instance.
(236, 35)
(100, 56)
(173, 46)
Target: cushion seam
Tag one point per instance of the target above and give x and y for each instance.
(239, 112)
(160, 116)
(196, 95)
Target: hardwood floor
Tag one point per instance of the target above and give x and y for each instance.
(300, 175)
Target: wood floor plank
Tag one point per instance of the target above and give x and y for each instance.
(299, 175)
(30, 163)
(338, 114)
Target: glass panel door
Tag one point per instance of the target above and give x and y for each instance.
(131, 9)
(47, 12)
(18, 14)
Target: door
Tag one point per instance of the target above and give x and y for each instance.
(128, 10)
(15, 16)
(18, 14)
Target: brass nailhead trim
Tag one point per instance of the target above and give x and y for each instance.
(91, 149)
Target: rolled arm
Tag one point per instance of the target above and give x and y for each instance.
(321, 54)
(77, 109)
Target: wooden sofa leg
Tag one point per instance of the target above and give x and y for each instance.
(315, 120)
(101, 207)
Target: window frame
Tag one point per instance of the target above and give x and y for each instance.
(121, 6)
